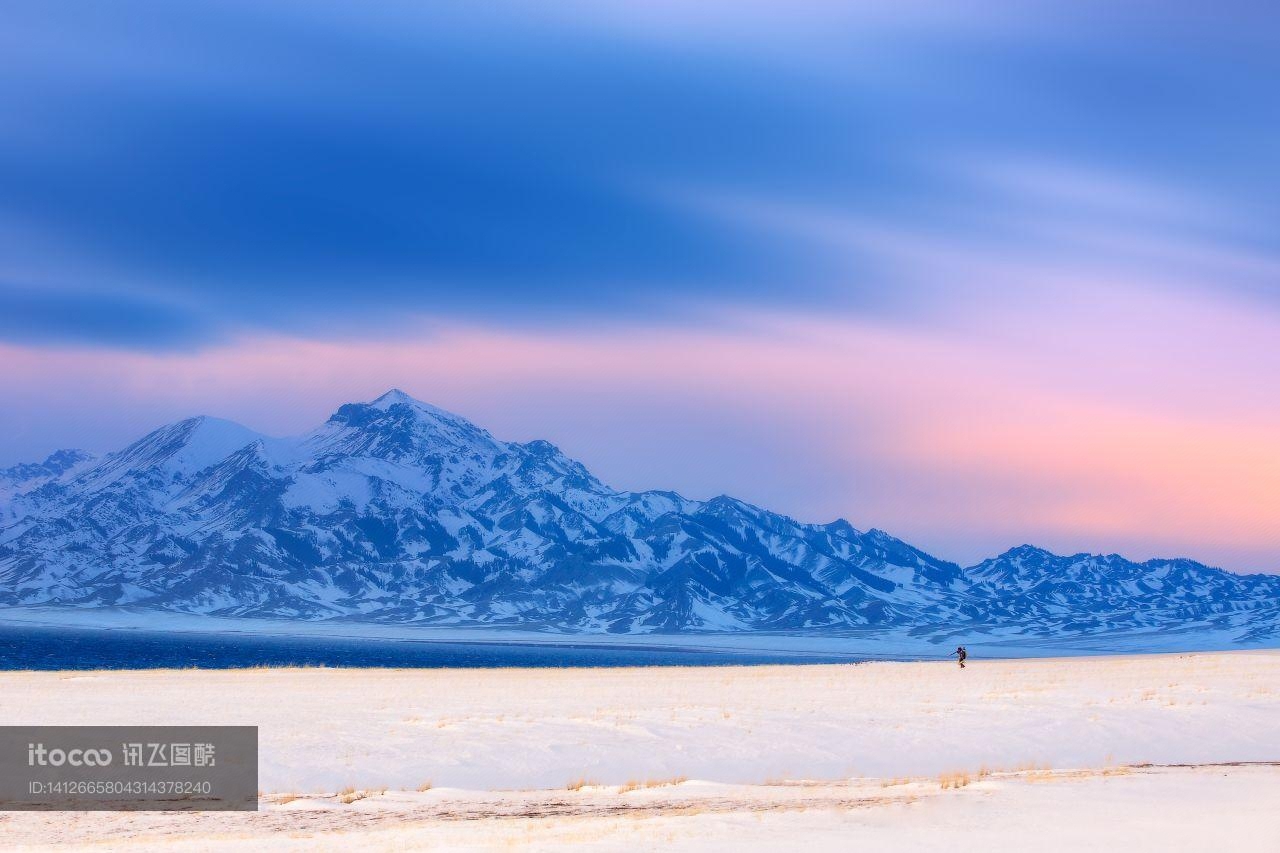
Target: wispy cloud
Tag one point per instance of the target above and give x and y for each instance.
(307, 166)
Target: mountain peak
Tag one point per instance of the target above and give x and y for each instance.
(392, 397)
(61, 460)
(842, 526)
(1024, 551)
(55, 465)
(396, 397)
(178, 449)
(398, 427)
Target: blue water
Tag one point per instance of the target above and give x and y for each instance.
(86, 648)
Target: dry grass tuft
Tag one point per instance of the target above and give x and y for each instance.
(349, 794)
(425, 786)
(580, 783)
(637, 784)
(1043, 774)
(957, 779)
(893, 783)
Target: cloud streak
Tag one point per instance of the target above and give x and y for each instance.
(304, 169)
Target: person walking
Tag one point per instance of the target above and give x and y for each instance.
(960, 654)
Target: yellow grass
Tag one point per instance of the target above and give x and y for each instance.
(896, 781)
(637, 784)
(349, 794)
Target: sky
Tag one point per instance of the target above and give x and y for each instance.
(977, 274)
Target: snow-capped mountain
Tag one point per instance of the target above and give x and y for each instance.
(56, 465)
(28, 476)
(398, 511)
(1090, 593)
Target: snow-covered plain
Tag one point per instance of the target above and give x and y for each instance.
(1148, 752)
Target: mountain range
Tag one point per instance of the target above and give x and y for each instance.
(397, 511)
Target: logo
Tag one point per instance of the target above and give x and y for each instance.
(38, 756)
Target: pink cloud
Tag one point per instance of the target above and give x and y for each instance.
(1136, 423)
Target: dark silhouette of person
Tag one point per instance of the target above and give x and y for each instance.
(961, 654)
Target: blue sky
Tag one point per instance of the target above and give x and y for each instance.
(1083, 190)
(173, 174)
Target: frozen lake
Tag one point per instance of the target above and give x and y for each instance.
(33, 647)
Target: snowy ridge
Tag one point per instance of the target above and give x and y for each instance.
(398, 511)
